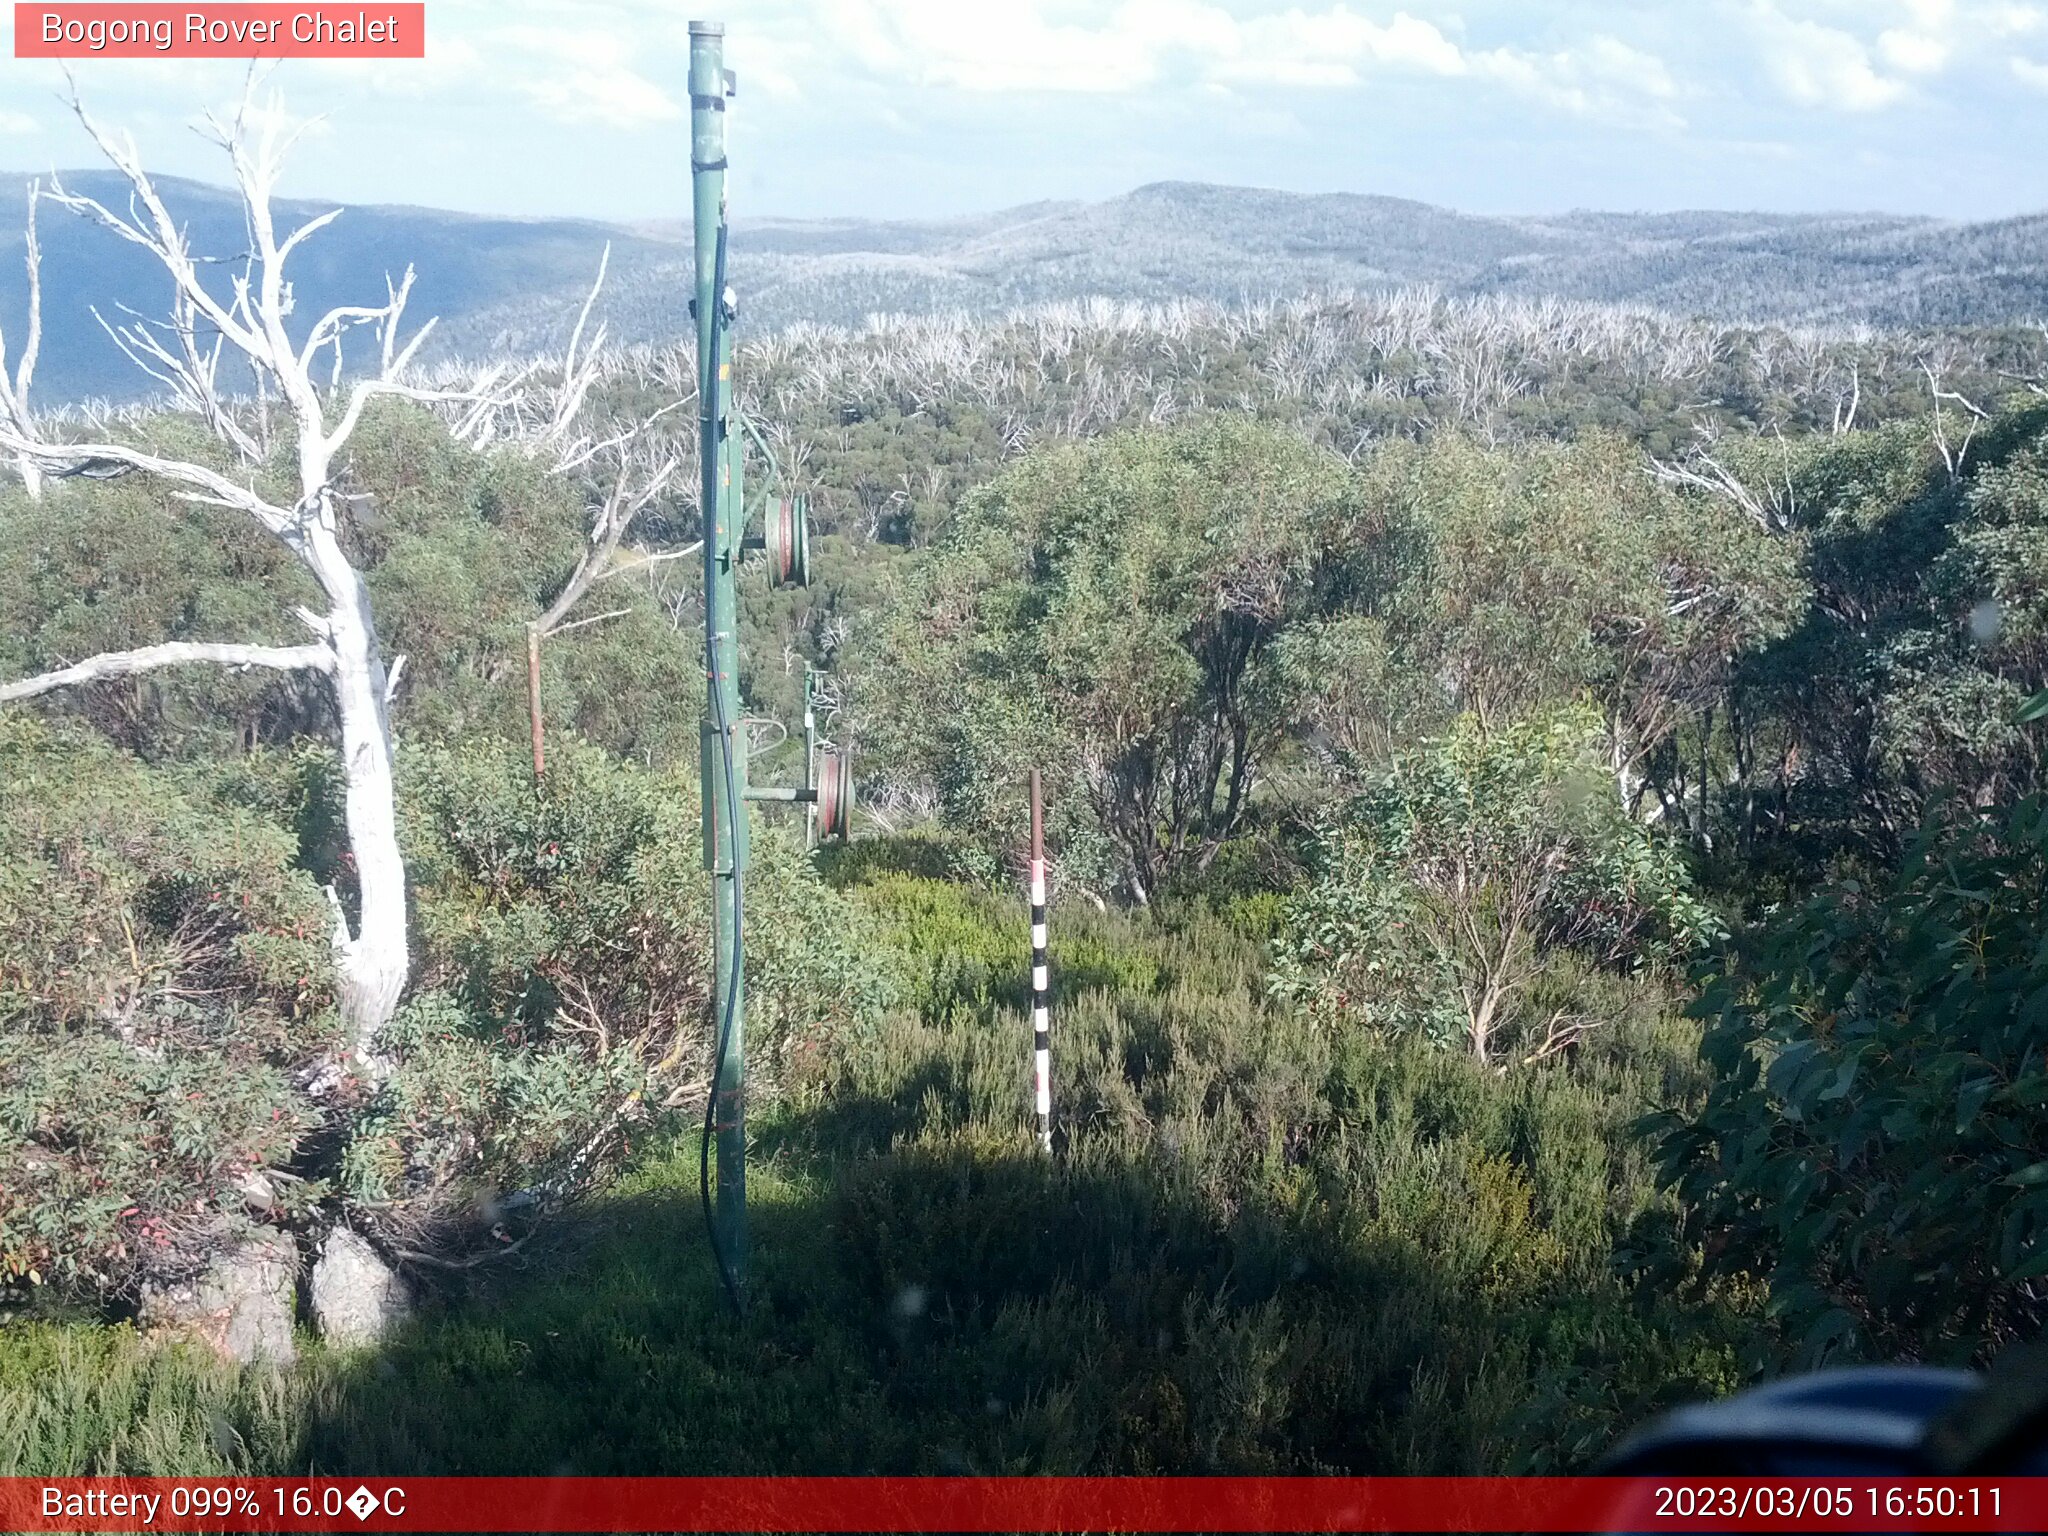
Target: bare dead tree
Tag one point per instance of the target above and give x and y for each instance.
(14, 407)
(643, 470)
(1772, 506)
(1955, 456)
(1845, 410)
(627, 458)
(252, 326)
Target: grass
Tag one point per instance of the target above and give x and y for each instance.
(1261, 1249)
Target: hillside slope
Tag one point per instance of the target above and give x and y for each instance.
(510, 284)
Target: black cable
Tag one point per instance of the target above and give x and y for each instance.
(732, 807)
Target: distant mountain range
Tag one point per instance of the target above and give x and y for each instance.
(513, 284)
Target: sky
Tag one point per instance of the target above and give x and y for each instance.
(931, 108)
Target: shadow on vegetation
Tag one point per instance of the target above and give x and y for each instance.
(1261, 1248)
(939, 1298)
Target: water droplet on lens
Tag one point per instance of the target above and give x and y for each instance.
(910, 1301)
(1986, 620)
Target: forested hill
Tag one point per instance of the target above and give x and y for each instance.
(1180, 239)
(510, 284)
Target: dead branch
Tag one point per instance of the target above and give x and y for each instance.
(14, 406)
(175, 653)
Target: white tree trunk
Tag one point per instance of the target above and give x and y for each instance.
(372, 962)
(14, 409)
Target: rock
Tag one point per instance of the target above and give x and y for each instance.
(258, 1191)
(357, 1299)
(241, 1306)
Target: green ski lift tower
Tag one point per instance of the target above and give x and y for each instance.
(785, 540)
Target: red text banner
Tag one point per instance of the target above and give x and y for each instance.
(1022, 1504)
(221, 31)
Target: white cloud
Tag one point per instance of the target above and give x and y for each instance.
(1820, 66)
(584, 76)
(1614, 60)
(12, 122)
(1336, 45)
(1068, 46)
(451, 61)
(2014, 20)
(1934, 29)
(1605, 79)
(1019, 46)
(1914, 53)
(615, 98)
(2030, 73)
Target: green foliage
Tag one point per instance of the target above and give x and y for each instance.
(900, 419)
(1108, 613)
(1264, 1249)
(467, 1118)
(536, 897)
(109, 566)
(959, 950)
(1269, 1243)
(102, 1401)
(1900, 684)
(459, 550)
(1261, 1249)
(163, 972)
(1442, 893)
(1558, 571)
(564, 944)
(952, 945)
(928, 854)
(156, 928)
(1873, 1142)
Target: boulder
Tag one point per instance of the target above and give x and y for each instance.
(357, 1299)
(241, 1306)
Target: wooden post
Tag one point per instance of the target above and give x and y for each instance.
(1041, 1033)
(540, 752)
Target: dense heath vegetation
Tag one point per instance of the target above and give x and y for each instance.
(1547, 925)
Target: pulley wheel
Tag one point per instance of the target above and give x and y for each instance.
(835, 795)
(786, 537)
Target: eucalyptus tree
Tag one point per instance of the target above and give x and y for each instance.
(1546, 572)
(1109, 612)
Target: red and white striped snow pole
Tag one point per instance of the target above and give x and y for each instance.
(1041, 1033)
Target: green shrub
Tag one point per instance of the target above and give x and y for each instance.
(565, 958)
(1265, 1247)
(164, 974)
(928, 854)
(95, 1401)
(952, 944)
(467, 1119)
(549, 908)
(1446, 894)
(1873, 1142)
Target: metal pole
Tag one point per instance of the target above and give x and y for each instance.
(811, 756)
(1041, 1018)
(724, 741)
